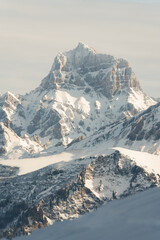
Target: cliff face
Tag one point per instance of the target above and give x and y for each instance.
(83, 65)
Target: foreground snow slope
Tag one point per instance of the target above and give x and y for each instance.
(136, 217)
(67, 190)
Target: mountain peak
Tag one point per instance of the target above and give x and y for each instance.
(82, 66)
(74, 58)
(82, 46)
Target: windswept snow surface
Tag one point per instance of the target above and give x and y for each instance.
(136, 217)
(148, 161)
(28, 165)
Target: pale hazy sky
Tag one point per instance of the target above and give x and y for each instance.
(32, 32)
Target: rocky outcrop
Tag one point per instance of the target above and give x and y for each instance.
(146, 125)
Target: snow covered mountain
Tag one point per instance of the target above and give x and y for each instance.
(68, 146)
(83, 92)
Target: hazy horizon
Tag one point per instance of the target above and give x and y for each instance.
(32, 33)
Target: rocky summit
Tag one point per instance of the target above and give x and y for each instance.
(87, 135)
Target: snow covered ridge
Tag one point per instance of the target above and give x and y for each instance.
(67, 190)
(140, 132)
(84, 91)
(11, 142)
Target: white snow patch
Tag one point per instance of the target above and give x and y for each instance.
(89, 184)
(28, 165)
(148, 161)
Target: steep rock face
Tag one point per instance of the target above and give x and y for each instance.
(83, 65)
(67, 191)
(146, 125)
(47, 119)
(145, 129)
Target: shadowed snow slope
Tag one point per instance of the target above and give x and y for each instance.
(136, 217)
